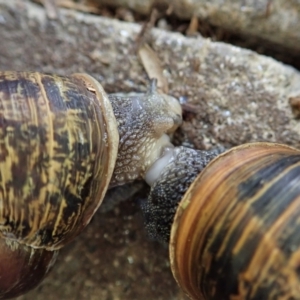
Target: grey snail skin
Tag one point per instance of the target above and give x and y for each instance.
(63, 143)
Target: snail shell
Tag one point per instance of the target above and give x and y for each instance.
(63, 143)
(235, 234)
(57, 155)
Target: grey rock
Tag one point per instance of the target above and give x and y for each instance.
(275, 21)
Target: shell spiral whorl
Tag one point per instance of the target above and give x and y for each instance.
(236, 232)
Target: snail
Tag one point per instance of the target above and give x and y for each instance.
(63, 143)
(231, 219)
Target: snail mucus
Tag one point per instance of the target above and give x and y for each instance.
(63, 143)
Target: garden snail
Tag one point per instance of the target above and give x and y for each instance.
(235, 234)
(63, 142)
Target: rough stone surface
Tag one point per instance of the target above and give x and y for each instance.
(237, 95)
(230, 96)
(275, 21)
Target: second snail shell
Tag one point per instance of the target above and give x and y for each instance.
(235, 234)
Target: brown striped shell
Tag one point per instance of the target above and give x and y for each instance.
(57, 156)
(236, 232)
(58, 147)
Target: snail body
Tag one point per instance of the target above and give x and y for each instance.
(235, 234)
(63, 143)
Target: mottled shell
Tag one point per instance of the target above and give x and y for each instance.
(236, 234)
(57, 153)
